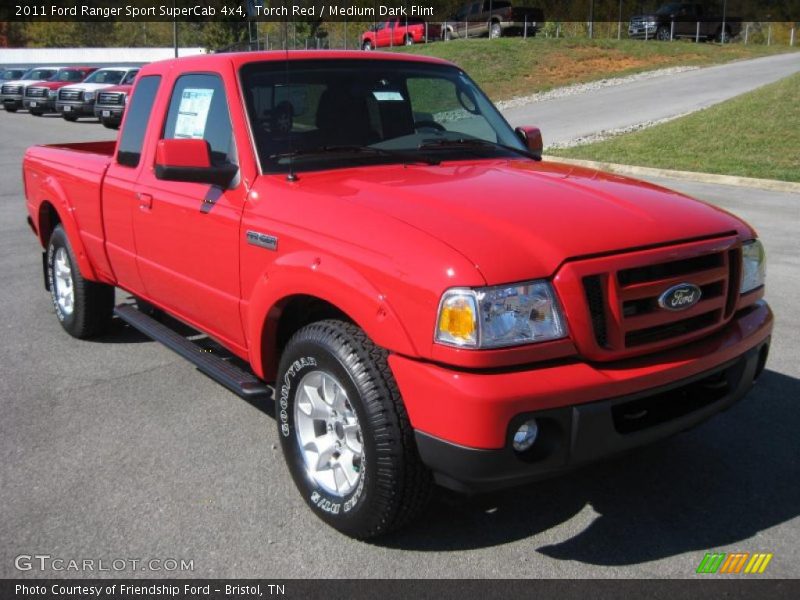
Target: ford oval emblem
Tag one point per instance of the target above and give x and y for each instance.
(680, 297)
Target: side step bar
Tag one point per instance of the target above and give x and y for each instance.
(240, 382)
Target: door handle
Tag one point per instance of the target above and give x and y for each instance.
(145, 201)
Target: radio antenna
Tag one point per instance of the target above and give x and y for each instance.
(290, 176)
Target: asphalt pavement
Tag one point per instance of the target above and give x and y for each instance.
(570, 117)
(118, 449)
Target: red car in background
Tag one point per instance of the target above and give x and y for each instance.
(111, 102)
(399, 32)
(40, 98)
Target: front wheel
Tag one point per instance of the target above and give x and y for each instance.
(345, 433)
(409, 40)
(495, 31)
(11, 109)
(70, 118)
(367, 45)
(36, 113)
(109, 124)
(724, 36)
(663, 34)
(83, 307)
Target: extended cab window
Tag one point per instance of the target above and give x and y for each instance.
(139, 109)
(199, 110)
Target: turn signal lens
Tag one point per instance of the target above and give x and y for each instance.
(458, 319)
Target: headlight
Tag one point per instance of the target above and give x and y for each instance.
(494, 317)
(754, 266)
(52, 93)
(88, 95)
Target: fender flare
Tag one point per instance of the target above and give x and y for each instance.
(327, 278)
(53, 194)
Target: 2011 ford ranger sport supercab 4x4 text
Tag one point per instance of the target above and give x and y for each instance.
(432, 301)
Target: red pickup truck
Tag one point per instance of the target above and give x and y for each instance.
(400, 32)
(432, 301)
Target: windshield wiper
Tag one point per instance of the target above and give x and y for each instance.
(406, 157)
(474, 143)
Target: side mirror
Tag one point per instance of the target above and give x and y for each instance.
(532, 138)
(190, 160)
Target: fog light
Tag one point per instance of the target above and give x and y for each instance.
(526, 436)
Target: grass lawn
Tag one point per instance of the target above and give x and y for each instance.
(510, 67)
(754, 135)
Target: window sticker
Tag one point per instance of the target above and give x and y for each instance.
(388, 96)
(193, 113)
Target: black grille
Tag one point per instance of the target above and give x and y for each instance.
(36, 92)
(69, 95)
(671, 330)
(594, 298)
(669, 269)
(111, 98)
(12, 89)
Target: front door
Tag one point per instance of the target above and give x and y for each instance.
(187, 234)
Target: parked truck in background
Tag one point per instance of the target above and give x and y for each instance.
(76, 101)
(684, 20)
(400, 32)
(492, 18)
(12, 92)
(432, 302)
(110, 104)
(40, 98)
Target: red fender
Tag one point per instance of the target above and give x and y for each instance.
(329, 279)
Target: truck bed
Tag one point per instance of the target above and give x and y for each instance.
(69, 177)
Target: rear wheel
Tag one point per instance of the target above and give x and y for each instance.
(36, 113)
(495, 31)
(11, 109)
(367, 45)
(663, 34)
(83, 307)
(109, 124)
(723, 36)
(345, 433)
(70, 118)
(408, 40)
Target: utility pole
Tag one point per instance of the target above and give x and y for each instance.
(174, 28)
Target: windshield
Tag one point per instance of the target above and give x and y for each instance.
(39, 74)
(12, 74)
(669, 9)
(324, 114)
(130, 77)
(106, 77)
(70, 76)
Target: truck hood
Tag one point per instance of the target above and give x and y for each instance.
(90, 87)
(517, 220)
(119, 88)
(23, 82)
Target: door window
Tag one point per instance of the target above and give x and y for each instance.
(198, 109)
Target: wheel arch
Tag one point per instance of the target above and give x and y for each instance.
(294, 295)
(52, 213)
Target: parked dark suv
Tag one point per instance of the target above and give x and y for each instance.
(683, 19)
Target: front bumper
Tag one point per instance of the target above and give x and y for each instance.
(109, 113)
(78, 109)
(465, 421)
(45, 105)
(13, 101)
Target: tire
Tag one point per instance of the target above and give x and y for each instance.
(495, 31)
(448, 35)
(367, 45)
(70, 118)
(723, 37)
(109, 125)
(11, 109)
(662, 34)
(380, 483)
(36, 113)
(83, 307)
(408, 40)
